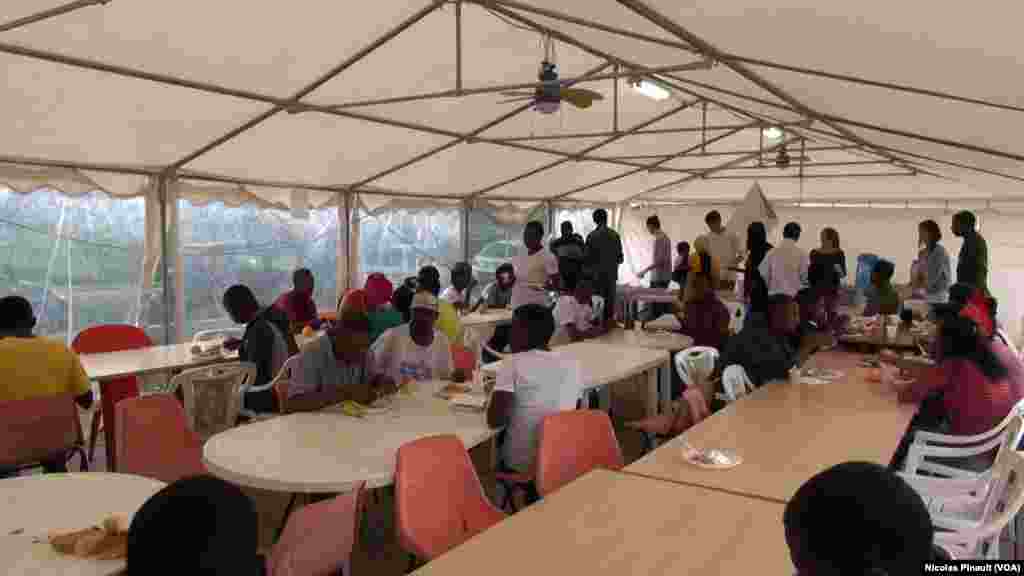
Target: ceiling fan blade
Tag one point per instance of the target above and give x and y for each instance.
(592, 95)
(519, 99)
(577, 99)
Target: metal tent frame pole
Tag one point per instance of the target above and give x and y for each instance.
(50, 13)
(165, 282)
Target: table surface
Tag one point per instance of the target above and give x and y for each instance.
(329, 452)
(670, 341)
(609, 523)
(147, 361)
(37, 505)
(785, 433)
(603, 364)
(490, 317)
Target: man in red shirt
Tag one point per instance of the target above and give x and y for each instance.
(298, 303)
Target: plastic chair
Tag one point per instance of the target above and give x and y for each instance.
(463, 359)
(735, 383)
(213, 395)
(439, 502)
(664, 426)
(695, 366)
(319, 538)
(283, 351)
(38, 429)
(154, 439)
(573, 443)
(289, 373)
(102, 339)
(207, 335)
(934, 445)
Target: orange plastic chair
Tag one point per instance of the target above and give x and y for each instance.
(464, 359)
(664, 426)
(318, 539)
(39, 429)
(573, 443)
(439, 502)
(154, 439)
(110, 338)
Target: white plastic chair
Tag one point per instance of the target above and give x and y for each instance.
(288, 374)
(934, 445)
(735, 383)
(212, 395)
(207, 335)
(695, 366)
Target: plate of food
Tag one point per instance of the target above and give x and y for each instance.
(453, 389)
(107, 541)
(713, 459)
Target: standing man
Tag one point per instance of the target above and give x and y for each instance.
(568, 248)
(603, 257)
(661, 263)
(972, 265)
(536, 270)
(785, 267)
(724, 247)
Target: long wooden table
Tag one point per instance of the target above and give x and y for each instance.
(787, 432)
(611, 524)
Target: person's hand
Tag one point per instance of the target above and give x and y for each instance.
(232, 344)
(383, 384)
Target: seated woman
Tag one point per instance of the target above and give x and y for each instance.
(882, 297)
(335, 365)
(858, 518)
(704, 317)
(975, 385)
(577, 314)
(700, 256)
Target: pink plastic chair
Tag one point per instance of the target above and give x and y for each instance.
(668, 425)
(38, 429)
(98, 340)
(439, 502)
(318, 539)
(154, 439)
(573, 443)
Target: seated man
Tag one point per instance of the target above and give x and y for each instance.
(298, 303)
(267, 342)
(34, 366)
(531, 384)
(429, 279)
(211, 523)
(498, 294)
(459, 293)
(881, 296)
(335, 367)
(416, 351)
(886, 528)
(382, 315)
(576, 317)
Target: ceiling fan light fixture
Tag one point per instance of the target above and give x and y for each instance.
(650, 89)
(772, 133)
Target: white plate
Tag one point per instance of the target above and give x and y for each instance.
(380, 406)
(733, 459)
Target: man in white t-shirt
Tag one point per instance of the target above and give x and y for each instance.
(785, 267)
(414, 351)
(536, 271)
(531, 384)
(576, 314)
(723, 246)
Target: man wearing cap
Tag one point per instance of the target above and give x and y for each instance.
(414, 351)
(381, 314)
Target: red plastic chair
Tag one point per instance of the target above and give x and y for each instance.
(439, 502)
(154, 439)
(464, 359)
(573, 443)
(318, 539)
(39, 429)
(110, 338)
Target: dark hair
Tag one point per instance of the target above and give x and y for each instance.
(960, 338)
(566, 226)
(429, 279)
(16, 314)
(461, 269)
(833, 235)
(300, 275)
(960, 293)
(757, 237)
(402, 300)
(238, 298)
(654, 222)
(886, 527)
(540, 324)
(932, 227)
(683, 247)
(967, 219)
(885, 269)
(712, 216)
(600, 216)
(791, 231)
(505, 268)
(211, 523)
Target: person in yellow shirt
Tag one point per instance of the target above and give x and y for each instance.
(33, 366)
(429, 279)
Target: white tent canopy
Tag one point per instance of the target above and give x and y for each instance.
(883, 99)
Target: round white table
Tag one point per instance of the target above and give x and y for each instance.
(329, 452)
(34, 506)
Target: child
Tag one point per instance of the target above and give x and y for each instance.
(578, 313)
(682, 264)
(882, 297)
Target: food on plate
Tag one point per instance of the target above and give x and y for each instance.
(455, 388)
(307, 331)
(108, 541)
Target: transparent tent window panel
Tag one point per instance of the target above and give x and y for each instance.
(397, 242)
(224, 245)
(78, 260)
(495, 240)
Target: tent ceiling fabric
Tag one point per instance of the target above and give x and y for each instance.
(267, 53)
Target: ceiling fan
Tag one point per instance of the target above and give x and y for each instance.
(780, 156)
(548, 98)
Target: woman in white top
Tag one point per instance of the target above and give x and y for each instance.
(536, 271)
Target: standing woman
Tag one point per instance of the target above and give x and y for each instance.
(938, 272)
(755, 289)
(827, 270)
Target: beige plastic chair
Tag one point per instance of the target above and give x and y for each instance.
(213, 395)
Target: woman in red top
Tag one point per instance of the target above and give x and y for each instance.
(975, 385)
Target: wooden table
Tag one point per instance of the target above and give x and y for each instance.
(786, 433)
(632, 295)
(33, 506)
(152, 360)
(612, 524)
(329, 452)
(603, 364)
(492, 317)
(669, 341)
